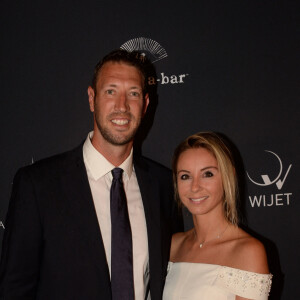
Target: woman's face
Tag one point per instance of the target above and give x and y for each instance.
(199, 181)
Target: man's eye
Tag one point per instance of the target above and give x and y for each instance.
(184, 177)
(110, 92)
(135, 94)
(208, 174)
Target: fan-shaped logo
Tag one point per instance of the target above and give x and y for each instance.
(150, 48)
(266, 179)
(278, 179)
(154, 52)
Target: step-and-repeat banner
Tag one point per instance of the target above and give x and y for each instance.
(225, 66)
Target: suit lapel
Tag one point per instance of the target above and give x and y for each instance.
(81, 207)
(151, 200)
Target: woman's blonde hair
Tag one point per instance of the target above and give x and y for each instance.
(215, 145)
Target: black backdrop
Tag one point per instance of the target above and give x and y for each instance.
(227, 66)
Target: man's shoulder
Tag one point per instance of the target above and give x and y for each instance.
(56, 163)
(150, 165)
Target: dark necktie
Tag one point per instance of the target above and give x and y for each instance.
(121, 241)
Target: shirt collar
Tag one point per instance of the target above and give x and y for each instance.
(98, 165)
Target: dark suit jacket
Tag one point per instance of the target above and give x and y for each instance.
(52, 247)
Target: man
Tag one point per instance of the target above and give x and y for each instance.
(58, 239)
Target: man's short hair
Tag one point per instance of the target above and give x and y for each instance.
(133, 58)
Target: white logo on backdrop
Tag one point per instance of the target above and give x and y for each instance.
(267, 200)
(154, 52)
(266, 179)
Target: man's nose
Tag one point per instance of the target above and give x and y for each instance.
(122, 103)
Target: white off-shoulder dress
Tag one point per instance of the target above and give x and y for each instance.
(198, 281)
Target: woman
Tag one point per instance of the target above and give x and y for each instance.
(216, 259)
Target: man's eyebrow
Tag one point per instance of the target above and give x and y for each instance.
(110, 84)
(116, 85)
(136, 87)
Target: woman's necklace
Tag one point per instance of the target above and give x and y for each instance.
(215, 238)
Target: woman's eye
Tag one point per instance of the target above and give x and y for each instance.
(184, 177)
(208, 174)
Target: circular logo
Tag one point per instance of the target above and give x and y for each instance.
(266, 179)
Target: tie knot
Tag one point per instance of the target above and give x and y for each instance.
(117, 173)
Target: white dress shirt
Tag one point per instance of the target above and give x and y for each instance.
(100, 179)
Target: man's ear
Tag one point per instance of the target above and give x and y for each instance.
(146, 103)
(91, 95)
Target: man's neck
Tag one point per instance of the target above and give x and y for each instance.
(115, 154)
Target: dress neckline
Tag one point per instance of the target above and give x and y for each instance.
(215, 265)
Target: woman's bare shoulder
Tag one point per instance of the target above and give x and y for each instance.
(177, 241)
(249, 254)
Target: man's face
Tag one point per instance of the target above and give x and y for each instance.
(119, 104)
